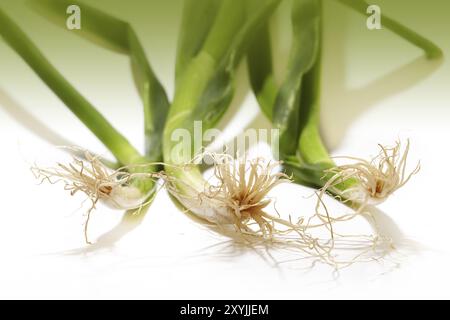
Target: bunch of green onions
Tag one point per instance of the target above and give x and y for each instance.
(99, 182)
(209, 52)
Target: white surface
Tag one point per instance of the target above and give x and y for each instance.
(167, 255)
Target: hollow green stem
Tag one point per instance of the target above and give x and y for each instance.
(105, 132)
(119, 35)
(261, 72)
(290, 105)
(224, 29)
(311, 158)
(191, 86)
(305, 156)
(204, 89)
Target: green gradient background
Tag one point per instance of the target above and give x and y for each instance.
(354, 56)
(157, 24)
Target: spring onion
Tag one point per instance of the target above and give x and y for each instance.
(240, 196)
(133, 184)
(295, 109)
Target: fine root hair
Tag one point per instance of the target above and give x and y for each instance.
(93, 178)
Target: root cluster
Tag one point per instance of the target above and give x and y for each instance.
(236, 203)
(115, 188)
(372, 182)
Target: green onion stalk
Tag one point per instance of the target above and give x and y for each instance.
(294, 109)
(235, 204)
(133, 185)
(204, 87)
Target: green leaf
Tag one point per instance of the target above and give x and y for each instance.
(260, 69)
(124, 152)
(198, 17)
(219, 92)
(205, 89)
(306, 18)
(115, 34)
(295, 108)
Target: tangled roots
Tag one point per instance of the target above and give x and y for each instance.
(372, 181)
(116, 188)
(235, 204)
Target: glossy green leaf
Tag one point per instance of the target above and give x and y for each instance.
(83, 109)
(304, 52)
(206, 87)
(260, 68)
(197, 19)
(119, 35)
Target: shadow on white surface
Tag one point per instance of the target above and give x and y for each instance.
(280, 258)
(27, 120)
(106, 242)
(389, 256)
(354, 102)
(351, 103)
(386, 226)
